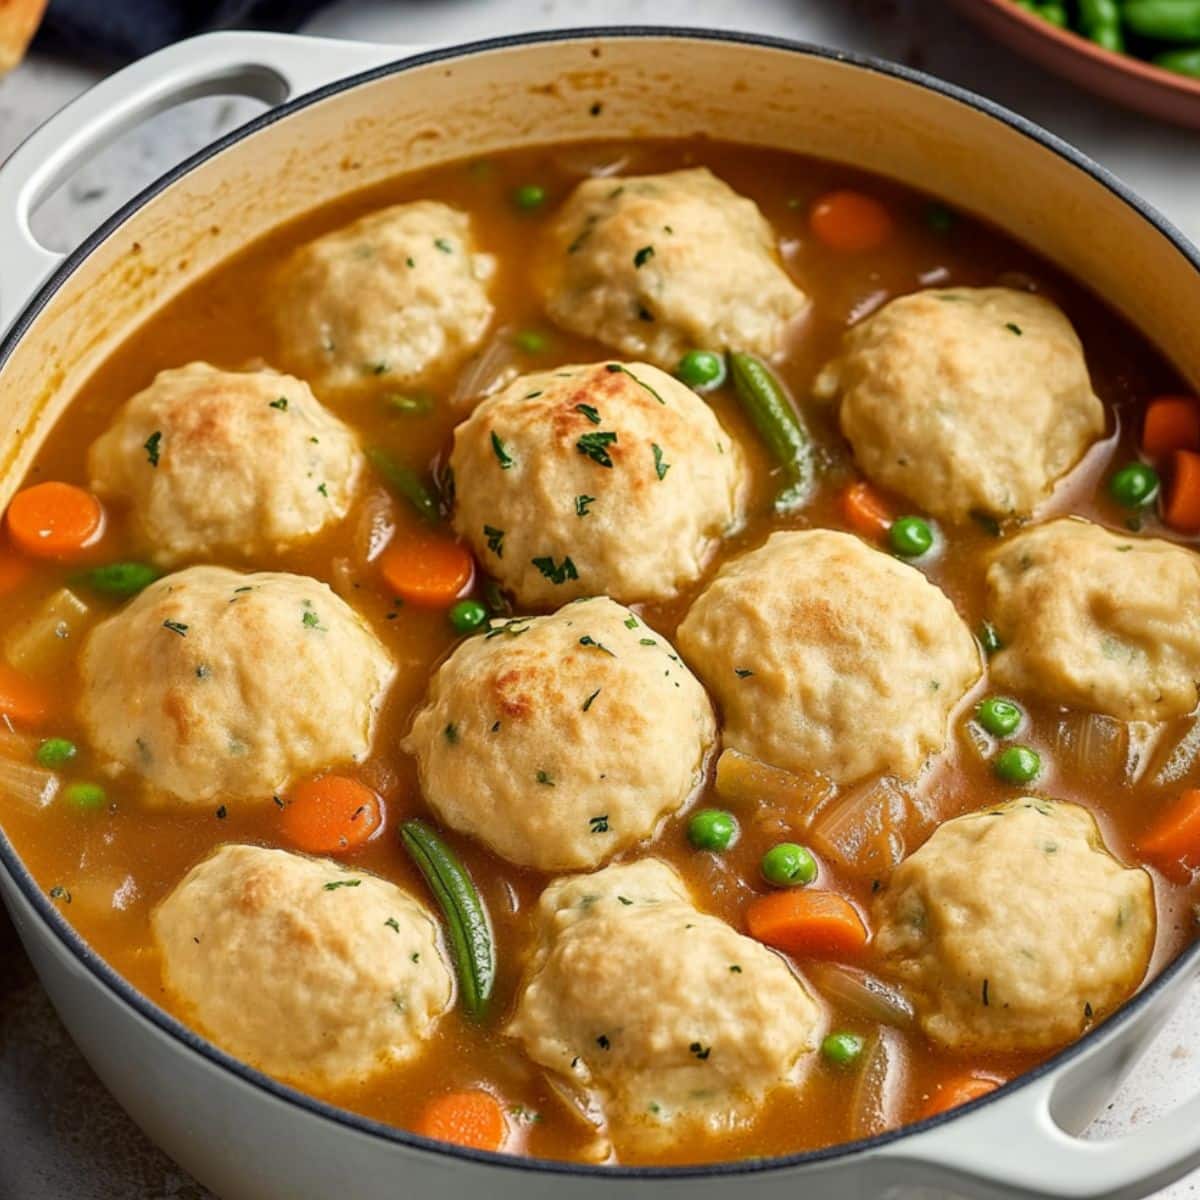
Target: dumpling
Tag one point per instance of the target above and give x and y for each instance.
(1014, 928)
(217, 683)
(965, 400)
(387, 299)
(827, 655)
(609, 478)
(214, 462)
(302, 967)
(656, 265)
(559, 741)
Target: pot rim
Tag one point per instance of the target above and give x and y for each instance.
(109, 978)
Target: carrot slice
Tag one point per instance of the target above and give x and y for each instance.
(21, 700)
(473, 1119)
(430, 572)
(331, 814)
(809, 923)
(1172, 423)
(864, 510)
(1173, 841)
(955, 1092)
(54, 520)
(1182, 508)
(850, 221)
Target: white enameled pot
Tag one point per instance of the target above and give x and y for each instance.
(348, 115)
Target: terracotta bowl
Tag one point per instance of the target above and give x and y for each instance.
(1119, 77)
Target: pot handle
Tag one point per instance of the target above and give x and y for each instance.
(1013, 1146)
(269, 67)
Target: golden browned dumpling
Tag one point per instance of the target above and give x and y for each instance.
(1098, 620)
(217, 683)
(966, 400)
(302, 967)
(827, 655)
(559, 741)
(1014, 928)
(385, 299)
(609, 478)
(216, 462)
(656, 265)
(673, 1018)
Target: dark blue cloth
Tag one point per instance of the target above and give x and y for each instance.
(125, 29)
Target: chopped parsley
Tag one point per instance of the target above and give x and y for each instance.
(647, 642)
(334, 884)
(603, 1042)
(556, 573)
(1013, 328)
(545, 778)
(743, 672)
(660, 466)
(588, 640)
(595, 446)
(443, 245)
(222, 813)
(617, 368)
(502, 455)
(176, 627)
(598, 824)
(643, 256)
(450, 733)
(589, 412)
(312, 621)
(588, 702)
(153, 447)
(735, 969)
(58, 892)
(280, 404)
(278, 801)
(582, 503)
(631, 622)
(984, 994)
(323, 488)
(495, 540)
(701, 1052)
(625, 900)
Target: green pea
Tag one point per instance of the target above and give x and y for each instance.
(85, 795)
(989, 639)
(910, 537)
(999, 715)
(1017, 764)
(701, 370)
(712, 829)
(788, 865)
(468, 615)
(531, 341)
(120, 579)
(56, 751)
(1183, 62)
(1134, 485)
(939, 218)
(529, 196)
(843, 1049)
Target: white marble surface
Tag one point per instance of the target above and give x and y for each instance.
(1161, 163)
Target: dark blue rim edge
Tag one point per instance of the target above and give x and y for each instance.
(167, 1024)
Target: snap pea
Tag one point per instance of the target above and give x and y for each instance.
(469, 931)
(1184, 62)
(405, 482)
(765, 402)
(1100, 20)
(120, 579)
(1165, 20)
(1056, 14)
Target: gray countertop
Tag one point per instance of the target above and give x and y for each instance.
(61, 1136)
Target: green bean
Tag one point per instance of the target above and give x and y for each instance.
(119, 579)
(765, 402)
(1185, 62)
(1056, 14)
(469, 932)
(1166, 20)
(405, 482)
(1100, 20)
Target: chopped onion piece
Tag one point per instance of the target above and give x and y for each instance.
(868, 829)
(1091, 744)
(976, 741)
(741, 778)
(595, 162)
(376, 526)
(861, 993)
(580, 1103)
(27, 784)
(490, 370)
(1175, 755)
(46, 639)
(875, 1104)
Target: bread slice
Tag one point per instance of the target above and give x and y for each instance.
(19, 20)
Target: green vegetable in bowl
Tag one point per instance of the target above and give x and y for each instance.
(1164, 20)
(1100, 20)
(1183, 62)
